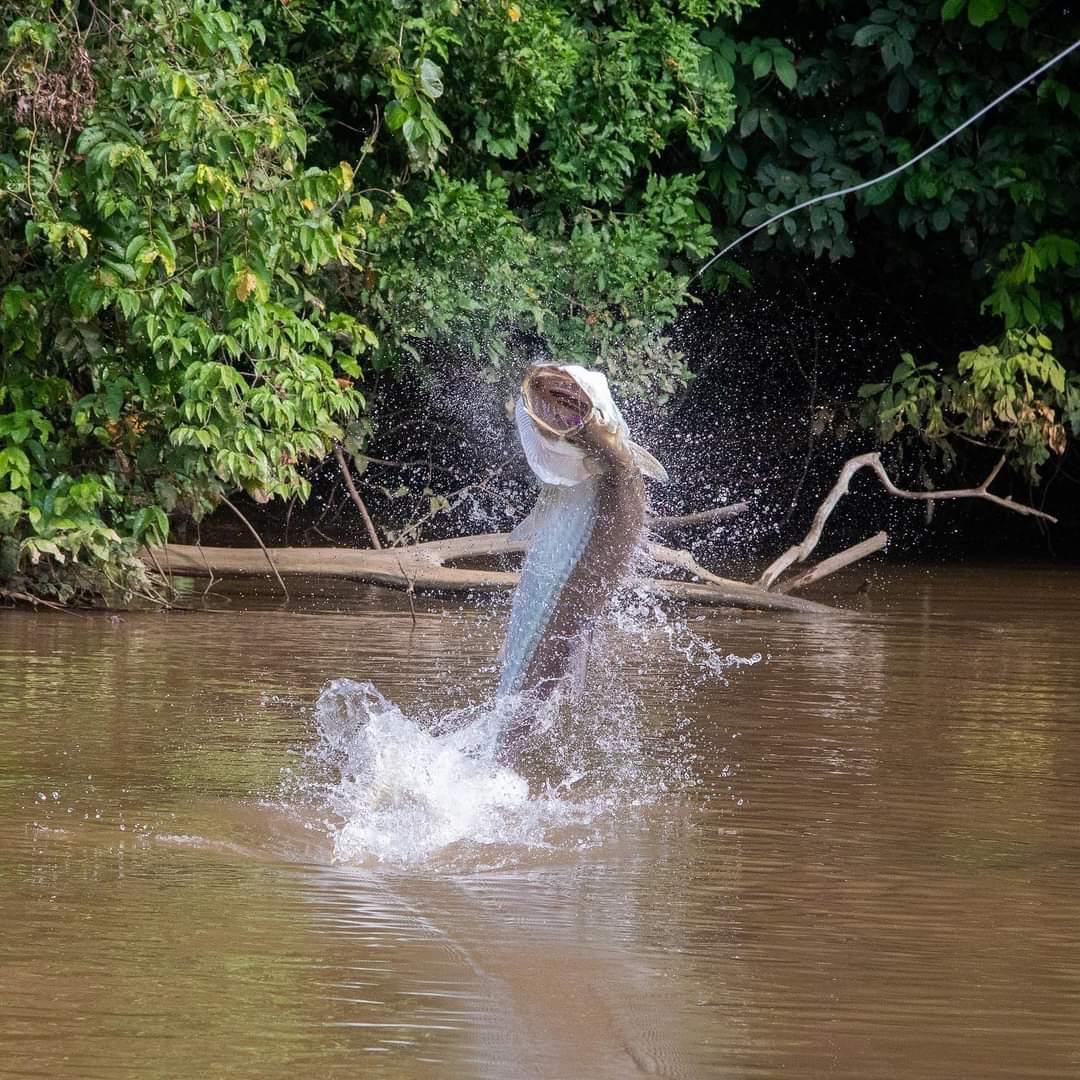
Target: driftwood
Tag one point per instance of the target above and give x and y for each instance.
(430, 567)
(836, 562)
(800, 552)
(669, 522)
(423, 568)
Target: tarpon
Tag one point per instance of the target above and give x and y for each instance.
(588, 520)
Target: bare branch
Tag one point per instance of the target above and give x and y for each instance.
(167, 579)
(209, 568)
(258, 539)
(27, 598)
(409, 591)
(449, 502)
(346, 473)
(800, 552)
(836, 562)
(683, 521)
(736, 595)
(685, 561)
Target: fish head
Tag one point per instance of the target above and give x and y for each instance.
(571, 428)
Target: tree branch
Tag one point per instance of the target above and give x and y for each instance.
(167, 579)
(682, 521)
(835, 562)
(422, 567)
(27, 598)
(346, 473)
(258, 539)
(685, 561)
(800, 552)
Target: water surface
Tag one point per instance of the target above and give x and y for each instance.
(862, 859)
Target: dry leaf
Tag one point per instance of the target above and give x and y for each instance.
(246, 284)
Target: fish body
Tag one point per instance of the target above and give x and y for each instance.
(586, 525)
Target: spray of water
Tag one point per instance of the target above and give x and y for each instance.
(430, 787)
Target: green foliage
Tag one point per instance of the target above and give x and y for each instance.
(217, 215)
(210, 213)
(1016, 297)
(532, 142)
(595, 293)
(876, 81)
(1014, 396)
(168, 267)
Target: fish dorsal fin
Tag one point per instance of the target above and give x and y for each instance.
(648, 465)
(538, 516)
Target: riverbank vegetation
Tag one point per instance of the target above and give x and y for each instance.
(235, 237)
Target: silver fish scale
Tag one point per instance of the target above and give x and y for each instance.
(556, 549)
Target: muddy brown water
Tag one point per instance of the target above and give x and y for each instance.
(872, 869)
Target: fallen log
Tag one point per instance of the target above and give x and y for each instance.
(428, 567)
(423, 568)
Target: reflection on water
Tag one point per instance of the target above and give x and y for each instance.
(867, 867)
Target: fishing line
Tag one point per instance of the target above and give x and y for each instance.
(892, 172)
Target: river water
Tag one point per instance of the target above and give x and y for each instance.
(858, 858)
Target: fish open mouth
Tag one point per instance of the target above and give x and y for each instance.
(555, 401)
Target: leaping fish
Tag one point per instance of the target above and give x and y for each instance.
(585, 526)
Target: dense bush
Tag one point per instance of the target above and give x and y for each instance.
(164, 251)
(834, 93)
(196, 245)
(216, 218)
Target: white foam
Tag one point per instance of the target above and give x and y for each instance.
(399, 793)
(431, 787)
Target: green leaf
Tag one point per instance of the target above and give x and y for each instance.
(37, 546)
(981, 12)
(870, 35)
(1019, 15)
(431, 79)
(896, 52)
(774, 127)
(881, 192)
(899, 92)
(951, 8)
(11, 508)
(785, 72)
(762, 65)
(396, 115)
(114, 399)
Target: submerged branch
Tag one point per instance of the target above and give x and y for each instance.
(836, 562)
(29, 598)
(435, 566)
(166, 578)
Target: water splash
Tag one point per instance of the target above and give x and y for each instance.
(429, 786)
(400, 789)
